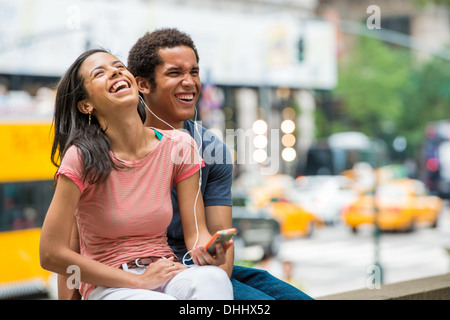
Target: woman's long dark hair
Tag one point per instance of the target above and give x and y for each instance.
(72, 127)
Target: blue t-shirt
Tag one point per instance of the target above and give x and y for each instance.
(216, 181)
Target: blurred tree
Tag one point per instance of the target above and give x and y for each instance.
(426, 97)
(438, 2)
(371, 81)
(383, 92)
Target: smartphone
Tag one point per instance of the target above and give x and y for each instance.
(222, 236)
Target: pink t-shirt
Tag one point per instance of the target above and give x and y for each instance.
(127, 216)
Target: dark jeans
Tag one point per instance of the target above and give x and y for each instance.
(256, 284)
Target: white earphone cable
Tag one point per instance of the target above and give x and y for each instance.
(200, 171)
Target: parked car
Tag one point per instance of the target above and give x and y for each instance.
(294, 220)
(258, 233)
(400, 205)
(323, 195)
(273, 195)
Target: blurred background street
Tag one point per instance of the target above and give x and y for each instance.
(335, 260)
(336, 115)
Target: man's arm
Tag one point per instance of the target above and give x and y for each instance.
(220, 218)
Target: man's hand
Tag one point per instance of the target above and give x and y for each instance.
(202, 257)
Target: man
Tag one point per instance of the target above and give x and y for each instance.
(165, 64)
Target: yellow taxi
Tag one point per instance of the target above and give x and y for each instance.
(398, 205)
(293, 219)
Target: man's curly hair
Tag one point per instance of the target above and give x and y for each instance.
(143, 57)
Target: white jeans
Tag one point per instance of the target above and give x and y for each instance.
(194, 283)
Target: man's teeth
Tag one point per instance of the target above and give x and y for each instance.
(120, 84)
(186, 97)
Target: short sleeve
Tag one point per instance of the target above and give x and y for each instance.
(71, 166)
(218, 186)
(185, 157)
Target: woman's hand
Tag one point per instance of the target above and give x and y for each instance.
(160, 272)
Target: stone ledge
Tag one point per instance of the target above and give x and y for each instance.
(430, 288)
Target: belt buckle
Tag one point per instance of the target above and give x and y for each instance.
(136, 262)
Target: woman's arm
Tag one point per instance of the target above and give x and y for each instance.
(64, 292)
(56, 254)
(187, 192)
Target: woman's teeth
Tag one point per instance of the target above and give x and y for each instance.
(119, 86)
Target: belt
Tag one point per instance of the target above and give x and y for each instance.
(143, 262)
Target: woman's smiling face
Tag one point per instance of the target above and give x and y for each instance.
(108, 84)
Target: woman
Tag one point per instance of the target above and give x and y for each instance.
(116, 176)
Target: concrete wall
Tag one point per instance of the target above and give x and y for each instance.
(431, 288)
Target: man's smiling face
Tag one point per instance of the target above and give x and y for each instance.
(177, 85)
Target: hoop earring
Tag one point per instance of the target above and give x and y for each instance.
(89, 118)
